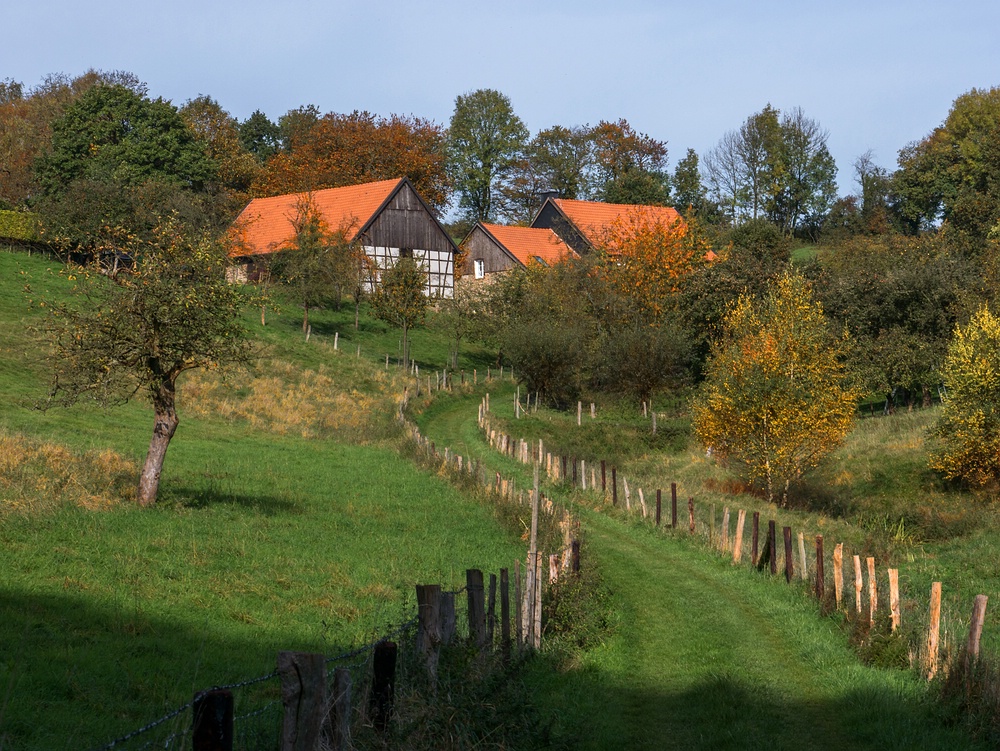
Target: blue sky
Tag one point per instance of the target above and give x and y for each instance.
(876, 75)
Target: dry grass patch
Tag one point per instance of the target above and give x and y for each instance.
(37, 476)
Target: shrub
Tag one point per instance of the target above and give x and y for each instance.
(969, 429)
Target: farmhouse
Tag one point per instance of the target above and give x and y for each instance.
(584, 225)
(492, 248)
(388, 219)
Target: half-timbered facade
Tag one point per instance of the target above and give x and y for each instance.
(388, 219)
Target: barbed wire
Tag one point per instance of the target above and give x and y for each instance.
(146, 728)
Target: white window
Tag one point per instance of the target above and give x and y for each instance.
(480, 268)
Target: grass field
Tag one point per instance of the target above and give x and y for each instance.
(285, 522)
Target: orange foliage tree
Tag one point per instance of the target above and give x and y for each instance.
(648, 256)
(360, 147)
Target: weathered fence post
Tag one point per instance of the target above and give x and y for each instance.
(303, 694)
(894, 597)
(491, 610)
(212, 729)
(383, 691)
(858, 586)
(975, 633)
(789, 567)
(575, 557)
(755, 540)
(838, 572)
(741, 518)
(872, 591)
(725, 529)
(933, 630)
(604, 483)
(658, 501)
(673, 505)
(338, 719)
(429, 626)
(614, 486)
(505, 613)
(579, 413)
(518, 612)
(691, 515)
(820, 574)
(772, 543)
(803, 569)
(477, 607)
(537, 626)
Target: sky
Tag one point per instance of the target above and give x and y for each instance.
(876, 75)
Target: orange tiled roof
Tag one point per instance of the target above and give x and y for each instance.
(266, 223)
(593, 218)
(528, 243)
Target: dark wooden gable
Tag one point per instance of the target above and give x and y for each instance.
(405, 221)
(480, 245)
(550, 217)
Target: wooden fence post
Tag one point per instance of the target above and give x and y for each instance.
(933, 630)
(786, 532)
(429, 626)
(755, 541)
(975, 632)
(536, 630)
(772, 543)
(477, 607)
(212, 729)
(894, 597)
(820, 578)
(491, 610)
(575, 557)
(604, 483)
(838, 572)
(741, 518)
(579, 413)
(673, 505)
(691, 515)
(505, 613)
(872, 591)
(614, 486)
(803, 569)
(303, 694)
(725, 529)
(518, 614)
(858, 586)
(338, 729)
(383, 691)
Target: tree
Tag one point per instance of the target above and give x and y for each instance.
(629, 167)
(400, 298)
(775, 400)
(137, 330)
(117, 161)
(485, 140)
(338, 150)
(954, 173)
(688, 189)
(969, 429)
(260, 136)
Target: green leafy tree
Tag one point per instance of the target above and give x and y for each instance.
(556, 161)
(260, 136)
(485, 141)
(137, 330)
(629, 167)
(400, 298)
(969, 429)
(954, 173)
(775, 400)
(688, 189)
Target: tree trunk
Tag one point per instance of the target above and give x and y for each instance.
(164, 427)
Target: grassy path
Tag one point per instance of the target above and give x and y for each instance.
(707, 656)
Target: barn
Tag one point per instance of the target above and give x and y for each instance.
(492, 248)
(583, 224)
(388, 219)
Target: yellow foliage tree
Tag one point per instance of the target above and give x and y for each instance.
(775, 400)
(969, 429)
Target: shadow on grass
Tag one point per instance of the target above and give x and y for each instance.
(733, 713)
(199, 498)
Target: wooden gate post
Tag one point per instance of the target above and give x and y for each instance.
(477, 606)
(383, 694)
(303, 694)
(212, 729)
(933, 630)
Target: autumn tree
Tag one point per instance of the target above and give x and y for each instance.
(136, 331)
(338, 150)
(400, 298)
(485, 141)
(629, 166)
(775, 400)
(968, 432)
(558, 160)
